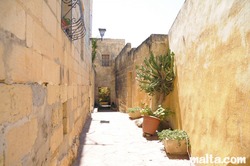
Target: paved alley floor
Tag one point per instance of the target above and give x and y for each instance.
(112, 139)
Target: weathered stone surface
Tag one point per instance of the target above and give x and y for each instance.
(23, 64)
(127, 88)
(2, 68)
(33, 7)
(63, 93)
(16, 102)
(48, 18)
(57, 117)
(11, 10)
(56, 139)
(38, 94)
(53, 93)
(211, 45)
(50, 71)
(43, 70)
(29, 31)
(19, 141)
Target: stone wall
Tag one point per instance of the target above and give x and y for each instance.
(45, 83)
(127, 88)
(105, 76)
(211, 41)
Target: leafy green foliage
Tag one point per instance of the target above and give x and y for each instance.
(94, 46)
(157, 74)
(173, 135)
(133, 109)
(161, 113)
(104, 94)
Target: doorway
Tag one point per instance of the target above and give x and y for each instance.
(104, 96)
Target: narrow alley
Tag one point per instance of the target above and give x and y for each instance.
(111, 139)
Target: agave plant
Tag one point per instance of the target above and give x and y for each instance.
(157, 75)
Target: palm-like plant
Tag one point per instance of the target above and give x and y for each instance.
(157, 75)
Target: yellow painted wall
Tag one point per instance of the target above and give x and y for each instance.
(211, 40)
(46, 82)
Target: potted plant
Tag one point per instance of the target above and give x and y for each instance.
(175, 142)
(151, 120)
(134, 112)
(65, 23)
(156, 77)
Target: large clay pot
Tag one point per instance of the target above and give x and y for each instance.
(175, 147)
(150, 124)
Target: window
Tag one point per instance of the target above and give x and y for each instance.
(72, 22)
(105, 60)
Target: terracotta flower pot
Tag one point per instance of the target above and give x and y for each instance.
(175, 147)
(150, 124)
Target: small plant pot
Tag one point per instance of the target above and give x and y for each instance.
(134, 115)
(175, 147)
(150, 124)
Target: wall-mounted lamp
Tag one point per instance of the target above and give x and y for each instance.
(102, 31)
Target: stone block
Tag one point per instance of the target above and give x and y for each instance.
(34, 7)
(42, 40)
(56, 139)
(49, 19)
(1, 159)
(75, 91)
(50, 71)
(2, 68)
(56, 117)
(67, 109)
(16, 102)
(63, 93)
(24, 65)
(65, 125)
(29, 31)
(58, 10)
(53, 6)
(70, 92)
(19, 141)
(79, 99)
(75, 103)
(35, 67)
(53, 93)
(11, 10)
(77, 114)
(17, 63)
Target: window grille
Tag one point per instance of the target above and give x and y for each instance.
(105, 60)
(72, 21)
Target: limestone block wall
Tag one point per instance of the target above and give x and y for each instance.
(127, 88)
(105, 76)
(211, 40)
(45, 84)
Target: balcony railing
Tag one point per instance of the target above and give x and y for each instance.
(72, 21)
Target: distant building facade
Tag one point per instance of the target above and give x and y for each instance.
(104, 64)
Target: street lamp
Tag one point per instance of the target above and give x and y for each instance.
(102, 31)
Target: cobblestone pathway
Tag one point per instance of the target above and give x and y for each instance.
(112, 139)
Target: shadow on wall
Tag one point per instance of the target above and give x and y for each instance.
(172, 101)
(176, 104)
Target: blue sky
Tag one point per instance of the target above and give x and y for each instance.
(134, 20)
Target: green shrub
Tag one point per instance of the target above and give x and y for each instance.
(173, 135)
